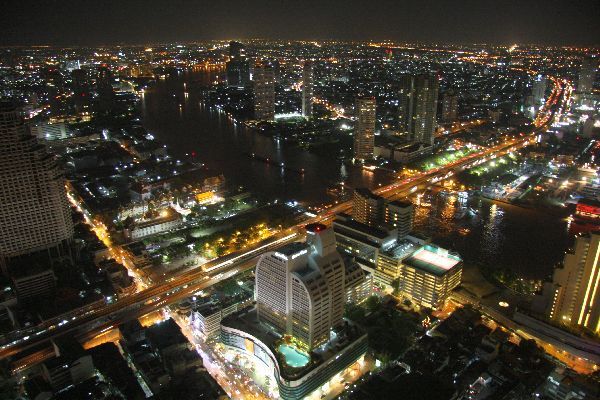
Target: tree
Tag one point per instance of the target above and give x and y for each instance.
(355, 313)
(373, 303)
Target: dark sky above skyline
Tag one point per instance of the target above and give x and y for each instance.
(85, 22)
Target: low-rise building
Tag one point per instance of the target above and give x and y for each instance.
(206, 318)
(166, 220)
(360, 240)
(403, 153)
(564, 384)
(297, 373)
(71, 366)
(425, 274)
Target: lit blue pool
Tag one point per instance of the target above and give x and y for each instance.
(293, 357)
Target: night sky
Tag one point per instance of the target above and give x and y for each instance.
(83, 22)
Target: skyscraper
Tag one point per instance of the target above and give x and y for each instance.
(576, 285)
(405, 103)
(34, 212)
(425, 103)
(449, 106)
(238, 67)
(364, 131)
(300, 287)
(587, 75)
(264, 92)
(418, 98)
(307, 89)
(367, 208)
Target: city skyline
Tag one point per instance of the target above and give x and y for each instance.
(103, 23)
(299, 219)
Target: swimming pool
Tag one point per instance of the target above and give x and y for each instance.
(293, 357)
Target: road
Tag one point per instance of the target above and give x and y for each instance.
(184, 285)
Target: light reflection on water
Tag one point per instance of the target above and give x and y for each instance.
(496, 235)
(223, 146)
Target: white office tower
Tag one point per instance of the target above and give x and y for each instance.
(325, 257)
(300, 288)
(307, 89)
(34, 211)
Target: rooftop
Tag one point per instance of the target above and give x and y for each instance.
(433, 260)
(400, 203)
(400, 249)
(363, 228)
(292, 248)
(363, 192)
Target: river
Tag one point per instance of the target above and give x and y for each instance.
(526, 241)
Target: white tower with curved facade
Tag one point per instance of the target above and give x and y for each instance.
(300, 288)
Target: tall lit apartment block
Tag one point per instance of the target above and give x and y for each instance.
(367, 207)
(449, 106)
(264, 92)
(576, 292)
(406, 97)
(307, 89)
(425, 103)
(587, 78)
(34, 212)
(364, 131)
(418, 99)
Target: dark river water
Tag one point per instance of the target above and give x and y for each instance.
(497, 235)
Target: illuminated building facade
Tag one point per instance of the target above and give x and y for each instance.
(538, 90)
(424, 274)
(576, 291)
(238, 67)
(361, 241)
(167, 220)
(425, 103)
(307, 89)
(264, 93)
(296, 328)
(367, 208)
(400, 215)
(449, 106)
(585, 84)
(418, 99)
(588, 211)
(300, 288)
(364, 131)
(35, 216)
